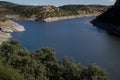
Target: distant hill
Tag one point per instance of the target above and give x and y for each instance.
(9, 9)
(110, 20)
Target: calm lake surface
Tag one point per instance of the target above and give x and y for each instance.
(76, 38)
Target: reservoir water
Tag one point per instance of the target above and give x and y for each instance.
(75, 38)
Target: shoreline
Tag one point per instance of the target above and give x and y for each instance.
(52, 19)
(7, 27)
(110, 28)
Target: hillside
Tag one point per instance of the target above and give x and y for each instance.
(110, 20)
(11, 10)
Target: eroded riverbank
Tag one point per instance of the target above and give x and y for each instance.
(50, 19)
(7, 27)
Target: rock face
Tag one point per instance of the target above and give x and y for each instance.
(110, 20)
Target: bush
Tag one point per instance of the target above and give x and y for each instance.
(7, 73)
(3, 19)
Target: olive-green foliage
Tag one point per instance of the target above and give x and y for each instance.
(7, 73)
(42, 64)
(96, 73)
(2, 18)
(70, 70)
(73, 9)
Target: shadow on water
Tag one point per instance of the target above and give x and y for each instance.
(112, 56)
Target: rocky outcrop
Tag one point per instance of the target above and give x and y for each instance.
(7, 27)
(10, 26)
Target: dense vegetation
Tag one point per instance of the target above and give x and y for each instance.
(18, 63)
(2, 18)
(41, 12)
(86, 9)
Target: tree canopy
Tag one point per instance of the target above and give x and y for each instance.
(19, 63)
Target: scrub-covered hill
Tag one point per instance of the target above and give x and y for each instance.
(110, 20)
(32, 12)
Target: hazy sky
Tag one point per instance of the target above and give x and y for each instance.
(61, 2)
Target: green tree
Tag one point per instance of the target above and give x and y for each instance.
(94, 72)
(70, 70)
(7, 73)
